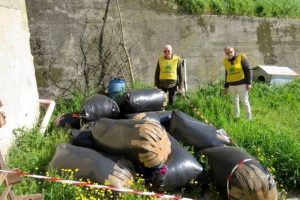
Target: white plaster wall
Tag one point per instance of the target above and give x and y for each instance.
(18, 89)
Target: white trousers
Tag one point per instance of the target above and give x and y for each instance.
(239, 92)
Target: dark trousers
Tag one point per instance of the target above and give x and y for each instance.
(172, 92)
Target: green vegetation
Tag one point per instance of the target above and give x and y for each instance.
(258, 8)
(272, 137)
(273, 134)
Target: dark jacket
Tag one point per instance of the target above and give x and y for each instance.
(246, 69)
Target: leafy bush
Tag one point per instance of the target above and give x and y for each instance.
(194, 6)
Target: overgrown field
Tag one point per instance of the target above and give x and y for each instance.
(258, 8)
(273, 137)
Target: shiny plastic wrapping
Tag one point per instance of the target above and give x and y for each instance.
(163, 117)
(180, 168)
(239, 175)
(82, 138)
(98, 106)
(142, 101)
(193, 132)
(142, 141)
(93, 165)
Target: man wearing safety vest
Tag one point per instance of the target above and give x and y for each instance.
(238, 79)
(168, 73)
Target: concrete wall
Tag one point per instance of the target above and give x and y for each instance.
(55, 28)
(19, 94)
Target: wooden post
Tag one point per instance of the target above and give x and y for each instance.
(7, 180)
(7, 193)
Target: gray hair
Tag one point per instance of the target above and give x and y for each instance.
(228, 47)
(168, 46)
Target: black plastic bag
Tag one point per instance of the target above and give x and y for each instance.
(193, 132)
(82, 138)
(71, 120)
(93, 165)
(141, 141)
(180, 168)
(142, 101)
(98, 106)
(239, 175)
(163, 117)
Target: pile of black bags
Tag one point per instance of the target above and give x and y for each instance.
(111, 142)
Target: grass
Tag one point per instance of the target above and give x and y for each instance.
(272, 137)
(273, 134)
(258, 8)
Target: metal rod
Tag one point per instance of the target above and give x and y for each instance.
(185, 75)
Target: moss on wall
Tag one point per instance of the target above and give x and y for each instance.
(41, 78)
(265, 42)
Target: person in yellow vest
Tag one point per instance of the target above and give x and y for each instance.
(238, 79)
(168, 73)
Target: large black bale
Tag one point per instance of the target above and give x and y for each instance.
(163, 117)
(93, 165)
(180, 168)
(82, 138)
(98, 106)
(193, 132)
(142, 141)
(239, 175)
(143, 100)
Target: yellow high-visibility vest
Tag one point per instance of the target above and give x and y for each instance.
(234, 71)
(168, 68)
